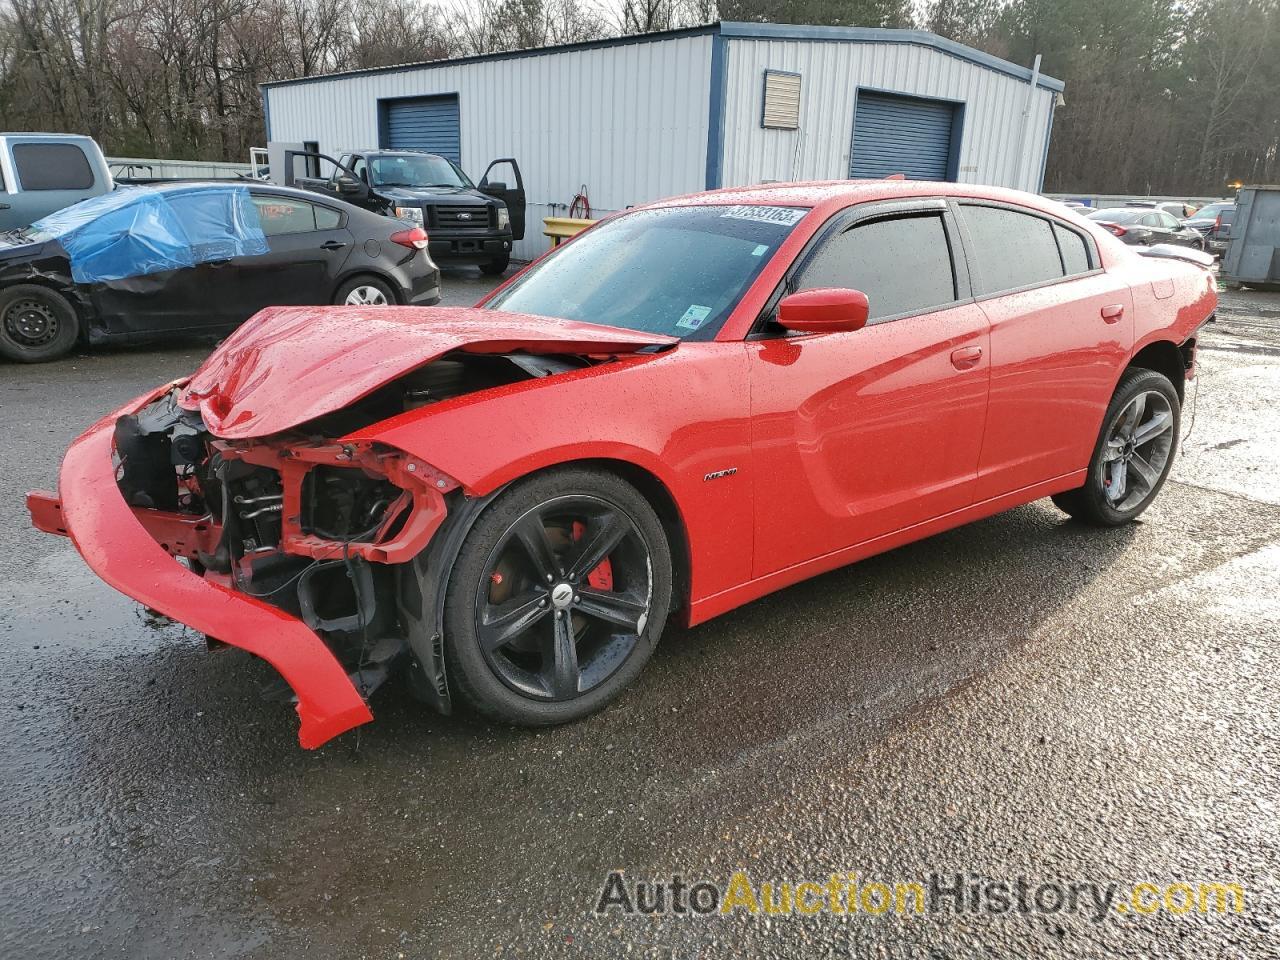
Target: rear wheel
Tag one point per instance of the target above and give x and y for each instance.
(365, 292)
(1134, 452)
(557, 599)
(36, 324)
(496, 267)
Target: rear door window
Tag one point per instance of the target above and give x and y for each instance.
(1074, 249)
(327, 219)
(1011, 249)
(903, 265)
(52, 166)
(282, 215)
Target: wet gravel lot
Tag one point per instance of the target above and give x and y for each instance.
(1020, 697)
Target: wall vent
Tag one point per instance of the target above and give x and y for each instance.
(781, 100)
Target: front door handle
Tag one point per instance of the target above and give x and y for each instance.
(332, 245)
(1112, 312)
(966, 357)
(5, 206)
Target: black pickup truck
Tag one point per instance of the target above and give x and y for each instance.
(465, 223)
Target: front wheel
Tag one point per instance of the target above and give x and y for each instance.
(496, 267)
(1134, 452)
(557, 599)
(36, 324)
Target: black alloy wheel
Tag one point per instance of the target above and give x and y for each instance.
(558, 597)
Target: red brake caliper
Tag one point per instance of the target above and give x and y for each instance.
(601, 578)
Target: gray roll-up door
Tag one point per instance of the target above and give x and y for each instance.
(423, 123)
(893, 134)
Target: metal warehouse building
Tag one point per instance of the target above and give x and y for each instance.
(640, 118)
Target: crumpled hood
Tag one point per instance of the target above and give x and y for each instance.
(288, 365)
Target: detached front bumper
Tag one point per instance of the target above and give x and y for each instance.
(120, 550)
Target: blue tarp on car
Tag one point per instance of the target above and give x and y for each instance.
(140, 230)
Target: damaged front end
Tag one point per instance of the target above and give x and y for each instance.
(286, 546)
(313, 526)
(255, 502)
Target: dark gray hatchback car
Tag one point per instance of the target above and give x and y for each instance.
(194, 258)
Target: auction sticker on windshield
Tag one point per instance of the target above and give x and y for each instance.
(693, 317)
(785, 216)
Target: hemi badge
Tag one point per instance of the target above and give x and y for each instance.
(717, 474)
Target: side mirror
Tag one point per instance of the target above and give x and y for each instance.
(824, 310)
(349, 185)
(493, 186)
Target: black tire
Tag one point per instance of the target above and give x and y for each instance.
(36, 324)
(517, 683)
(496, 267)
(1095, 501)
(365, 283)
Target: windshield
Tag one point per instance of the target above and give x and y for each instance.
(1120, 216)
(416, 170)
(677, 271)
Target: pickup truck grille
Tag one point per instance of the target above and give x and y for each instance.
(446, 215)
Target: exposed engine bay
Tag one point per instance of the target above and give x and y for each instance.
(318, 527)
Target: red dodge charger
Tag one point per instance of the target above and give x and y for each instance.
(689, 405)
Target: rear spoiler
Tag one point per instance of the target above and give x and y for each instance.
(1169, 251)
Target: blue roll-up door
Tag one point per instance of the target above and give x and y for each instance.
(423, 123)
(893, 134)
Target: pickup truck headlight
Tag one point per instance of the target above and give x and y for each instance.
(504, 218)
(412, 214)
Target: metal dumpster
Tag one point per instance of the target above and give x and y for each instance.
(1253, 252)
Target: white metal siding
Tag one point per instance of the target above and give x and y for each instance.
(629, 121)
(832, 71)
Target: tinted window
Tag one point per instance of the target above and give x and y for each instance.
(672, 270)
(52, 166)
(1152, 220)
(1169, 221)
(1074, 249)
(327, 219)
(280, 215)
(1011, 249)
(903, 265)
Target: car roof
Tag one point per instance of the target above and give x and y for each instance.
(395, 153)
(842, 193)
(257, 186)
(52, 137)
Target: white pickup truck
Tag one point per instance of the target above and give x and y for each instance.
(44, 172)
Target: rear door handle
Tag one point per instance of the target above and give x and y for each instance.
(966, 357)
(1112, 312)
(5, 206)
(332, 245)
